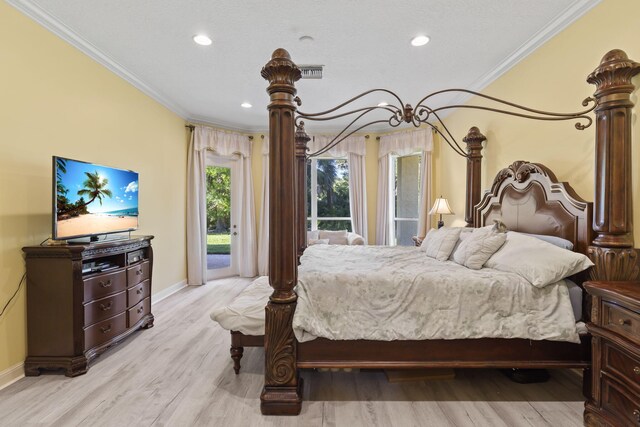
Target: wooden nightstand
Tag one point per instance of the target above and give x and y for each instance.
(417, 240)
(615, 327)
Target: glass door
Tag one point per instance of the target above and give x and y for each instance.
(222, 230)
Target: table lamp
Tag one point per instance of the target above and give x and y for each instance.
(441, 206)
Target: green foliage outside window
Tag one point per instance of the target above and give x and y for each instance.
(218, 199)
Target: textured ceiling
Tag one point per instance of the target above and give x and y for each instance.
(363, 45)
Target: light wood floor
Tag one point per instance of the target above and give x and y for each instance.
(179, 374)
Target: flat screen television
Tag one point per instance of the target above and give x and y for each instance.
(90, 200)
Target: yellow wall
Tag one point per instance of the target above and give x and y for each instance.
(552, 78)
(54, 100)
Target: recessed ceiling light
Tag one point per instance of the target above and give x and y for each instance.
(246, 105)
(202, 40)
(383, 104)
(420, 40)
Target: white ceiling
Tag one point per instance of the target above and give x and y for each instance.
(363, 45)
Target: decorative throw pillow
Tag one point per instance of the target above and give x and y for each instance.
(464, 233)
(335, 237)
(554, 240)
(478, 247)
(312, 235)
(539, 262)
(312, 242)
(438, 243)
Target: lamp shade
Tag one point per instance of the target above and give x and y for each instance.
(441, 206)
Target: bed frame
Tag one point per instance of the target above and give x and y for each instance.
(526, 195)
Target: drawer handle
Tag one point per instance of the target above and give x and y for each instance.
(624, 322)
(636, 414)
(105, 284)
(138, 272)
(140, 310)
(139, 290)
(106, 307)
(636, 370)
(106, 329)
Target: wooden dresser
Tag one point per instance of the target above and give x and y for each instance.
(615, 327)
(84, 298)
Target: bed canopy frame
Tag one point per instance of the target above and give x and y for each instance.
(612, 249)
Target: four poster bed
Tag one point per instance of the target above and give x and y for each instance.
(526, 196)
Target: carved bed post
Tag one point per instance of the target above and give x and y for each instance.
(474, 141)
(612, 250)
(301, 187)
(282, 392)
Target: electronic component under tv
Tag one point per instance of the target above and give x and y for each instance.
(90, 199)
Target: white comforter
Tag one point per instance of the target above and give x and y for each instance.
(398, 293)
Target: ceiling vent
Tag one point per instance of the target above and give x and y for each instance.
(311, 71)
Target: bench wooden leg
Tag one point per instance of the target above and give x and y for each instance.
(236, 355)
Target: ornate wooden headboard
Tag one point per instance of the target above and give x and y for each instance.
(529, 198)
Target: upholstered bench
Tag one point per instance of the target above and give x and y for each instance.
(244, 318)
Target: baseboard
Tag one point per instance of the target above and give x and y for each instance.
(16, 372)
(11, 375)
(165, 293)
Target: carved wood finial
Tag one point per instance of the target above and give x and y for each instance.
(614, 74)
(301, 135)
(281, 73)
(474, 137)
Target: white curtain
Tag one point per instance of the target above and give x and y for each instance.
(354, 148)
(196, 215)
(382, 226)
(403, 144)
(226, 144)
(263, 239)
(358, 194)
(424, 219)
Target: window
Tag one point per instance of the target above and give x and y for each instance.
(404, 189)
(328, 203)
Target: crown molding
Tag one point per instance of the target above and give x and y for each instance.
(51, 23)
(218, 124)
(562, 21)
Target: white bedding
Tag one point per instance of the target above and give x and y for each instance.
(519, 309)
(397, 293)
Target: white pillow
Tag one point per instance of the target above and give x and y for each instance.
(539, 262)
(335, 237)
(476, 248)
(312, 235)
(438, 243)
(464, 233)
(312, 242)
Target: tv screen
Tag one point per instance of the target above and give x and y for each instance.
(90, 199)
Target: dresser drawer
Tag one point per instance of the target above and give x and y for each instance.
(621, 321)
(620, 364)
(618, 400)
(138, 311)
(138, 292)
(137, 273)
(105, 330)
(102, 285)
(105, 308)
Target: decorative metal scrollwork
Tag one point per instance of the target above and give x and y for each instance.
(423, 114)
